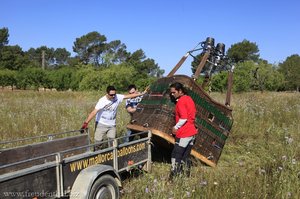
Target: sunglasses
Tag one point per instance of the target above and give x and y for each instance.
(112, 95)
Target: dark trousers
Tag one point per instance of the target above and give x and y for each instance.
(180, 157)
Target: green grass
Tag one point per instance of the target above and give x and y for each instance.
(261, 158)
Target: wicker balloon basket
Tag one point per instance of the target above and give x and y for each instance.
(213, 120)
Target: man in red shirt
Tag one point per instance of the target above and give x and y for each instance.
(184, 130)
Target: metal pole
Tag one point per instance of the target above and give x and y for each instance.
(229, 88)
(59, 176)
(115, 154)
(201, 65)
(182, 60)
(149, 151)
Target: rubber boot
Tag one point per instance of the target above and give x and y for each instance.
(187, 168)
(176, 170)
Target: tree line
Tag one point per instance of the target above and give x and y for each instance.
(98, 63)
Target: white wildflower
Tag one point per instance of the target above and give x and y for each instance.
(188, 194)
(284, 158)
(261, 171)
(203, 183)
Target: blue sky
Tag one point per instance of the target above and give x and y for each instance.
(164, 29)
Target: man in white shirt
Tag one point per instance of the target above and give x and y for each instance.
(106, 108)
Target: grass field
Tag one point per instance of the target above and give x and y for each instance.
(261, 158)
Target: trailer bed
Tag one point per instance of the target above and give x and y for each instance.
(48, 169)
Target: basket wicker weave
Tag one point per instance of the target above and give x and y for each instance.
(214, 120)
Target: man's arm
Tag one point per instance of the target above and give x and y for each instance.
(91, 116)
(136, 94)
(130, 109)
(179, 124)
(133, 95)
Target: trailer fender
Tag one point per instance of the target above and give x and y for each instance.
(90, 176)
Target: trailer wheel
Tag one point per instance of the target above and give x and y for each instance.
(105, 187)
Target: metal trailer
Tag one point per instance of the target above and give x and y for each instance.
(66, 165)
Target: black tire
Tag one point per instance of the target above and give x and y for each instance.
(105, 187)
